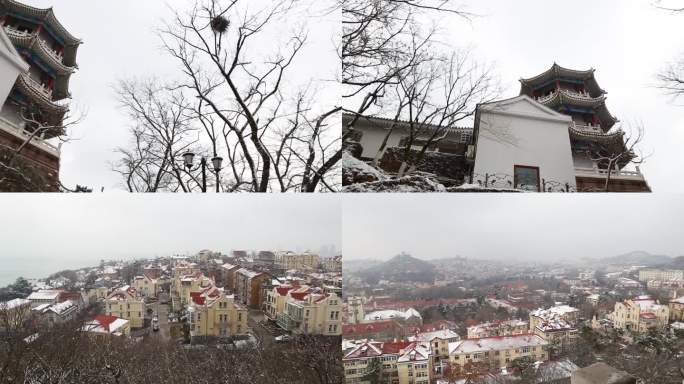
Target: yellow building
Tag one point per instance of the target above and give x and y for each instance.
(640, 314)
(497, 352)
(557, 325)
(125, 303)
(301, 261)
(183, 267)
(96, 294)
(676, 307)
(145, 286)
(183, 285)
(438, 343)
(371, 361)
(414, 365)
(277, 297)
(213, 314)
(312, 313)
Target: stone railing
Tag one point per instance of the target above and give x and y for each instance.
(581, 95)
(614, 174)
(587, 128)
(55, 55)
(23, 135)
(542, 99)
(17, 33)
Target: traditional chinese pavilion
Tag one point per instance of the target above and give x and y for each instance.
(38, 97)
(577, 94)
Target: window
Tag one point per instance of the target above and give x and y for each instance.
(526, 178)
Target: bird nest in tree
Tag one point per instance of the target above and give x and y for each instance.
(220, 24)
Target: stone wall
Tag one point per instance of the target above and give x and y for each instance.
(447, 167)
(40, 169)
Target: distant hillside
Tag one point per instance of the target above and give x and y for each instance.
(400, 268)
(677, 262)
(638, 258)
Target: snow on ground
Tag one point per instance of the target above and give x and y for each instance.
(356, 171)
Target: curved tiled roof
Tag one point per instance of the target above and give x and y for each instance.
(45, 15)
(558, 72)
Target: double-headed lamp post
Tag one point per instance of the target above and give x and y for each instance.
(188, 160)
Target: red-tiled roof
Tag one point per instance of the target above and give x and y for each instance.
(197, 298)
(105, 320)
(395, 347)
(282, 291)
(366, 328)
(298, 295)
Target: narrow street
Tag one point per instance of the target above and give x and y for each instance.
(162, 311)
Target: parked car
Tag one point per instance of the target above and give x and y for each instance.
(283, 338)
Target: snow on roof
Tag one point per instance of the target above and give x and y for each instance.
(44, 295)
(647, 304)
(104, 324)
(561, 310)
(42, 307)
(444, 334)
(496, 343)
(497, 324)
(62, 307)
(248, 273)
(14, 304)
(392, 314)
(679, 300)
(415, 352)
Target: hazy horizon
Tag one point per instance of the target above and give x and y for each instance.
(48, 233)
(531, 228)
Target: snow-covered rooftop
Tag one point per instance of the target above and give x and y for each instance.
(496, 343)
(14, 304)
(444, 334)
(44, 295)
(392, 314)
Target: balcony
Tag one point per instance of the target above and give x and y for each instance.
(39, 87)
(614, 174)
(587, 128)
(25, 38)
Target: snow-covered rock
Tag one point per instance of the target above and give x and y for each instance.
(407, 184)
(356, 171)
(478, 188)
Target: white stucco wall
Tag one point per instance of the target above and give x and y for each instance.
(520, 131)
(11, 65)
(372, 140)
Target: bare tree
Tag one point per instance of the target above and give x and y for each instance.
(380, 41)
(16, 173)
(671, 79)
(241, 108)
(615, 154)
(162, 131)
(435, 96)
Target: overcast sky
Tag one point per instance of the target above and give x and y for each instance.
(120, 41)
(626, 41)
(532, 227)
(71, 231)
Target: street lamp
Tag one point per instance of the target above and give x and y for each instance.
(216, 162)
